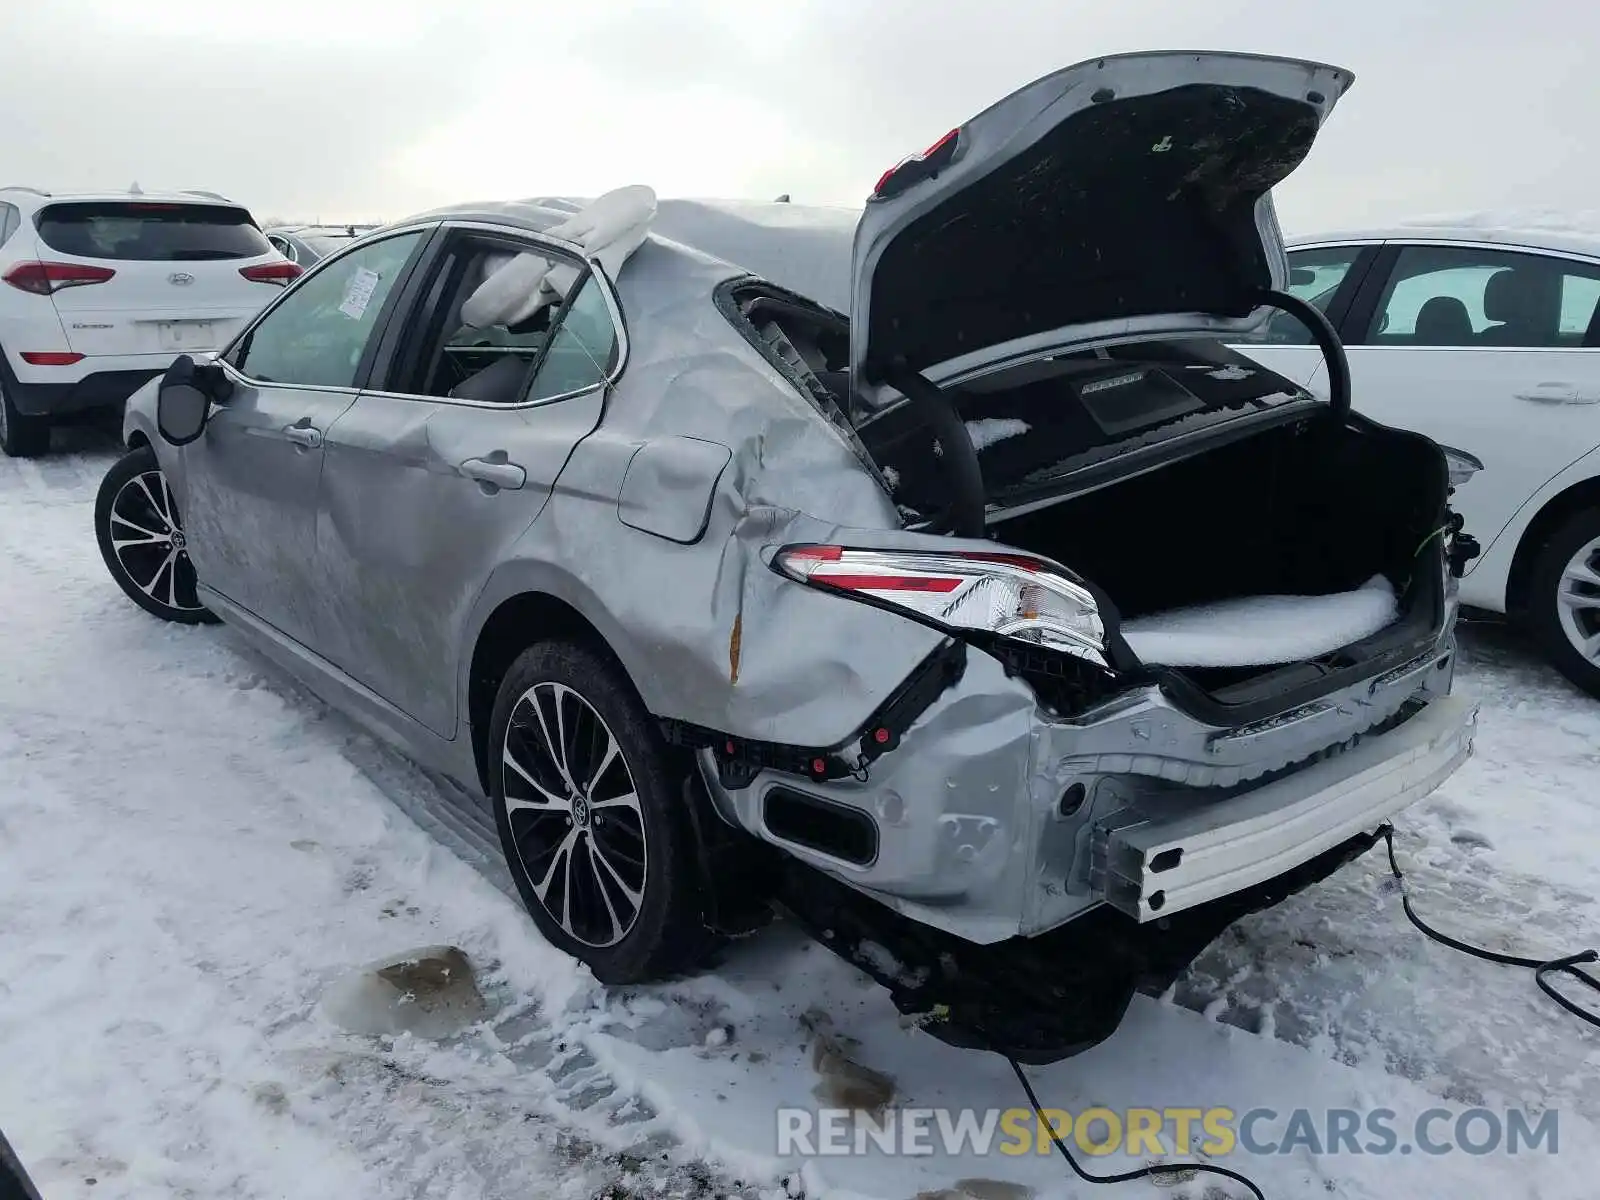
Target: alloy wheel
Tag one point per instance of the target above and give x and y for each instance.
(1578, 601)
(574, 814)
(148, 541)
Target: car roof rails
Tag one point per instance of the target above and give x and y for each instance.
(22, 187)
(207, 195)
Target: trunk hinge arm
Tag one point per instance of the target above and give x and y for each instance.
(1327, 339)
(966, 514)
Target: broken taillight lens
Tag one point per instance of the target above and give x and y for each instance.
(1014, 596)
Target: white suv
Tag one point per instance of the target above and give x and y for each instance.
(101, 291)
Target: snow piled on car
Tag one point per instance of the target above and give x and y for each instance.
(986, 431)
(805, 248)
(1258, 631)
(1582, 223)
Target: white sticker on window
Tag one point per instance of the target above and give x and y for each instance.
(358, 293)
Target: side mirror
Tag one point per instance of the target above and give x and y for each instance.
(185, 397)
(1301, 276)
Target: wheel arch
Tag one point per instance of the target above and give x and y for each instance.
(1555, 512)
(522, 610)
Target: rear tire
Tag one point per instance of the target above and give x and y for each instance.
(590, 807)
(21, 435)
(1563, 612)
(141, 539)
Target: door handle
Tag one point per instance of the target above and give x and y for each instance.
(307, 435)
(1557, 393)
(495, 472)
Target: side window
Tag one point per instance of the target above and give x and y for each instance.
(316, 335)
(1462, 296)
(1315, 276)
(479, 341)
(9, 220)
(584, 350)
(1580, 310)
(475, 337)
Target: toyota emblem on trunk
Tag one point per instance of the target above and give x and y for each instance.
(181, 278)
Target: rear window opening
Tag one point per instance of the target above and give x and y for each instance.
(326, 244)
(811, 343)
(1044, 427)
(808, 344)
(1172, 474)
(151, 231)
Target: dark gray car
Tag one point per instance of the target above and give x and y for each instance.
(957, 627)
(310, 244)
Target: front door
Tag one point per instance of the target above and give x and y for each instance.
(250, 481)
(430, 482)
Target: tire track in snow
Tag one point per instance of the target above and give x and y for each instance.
(498, 1113)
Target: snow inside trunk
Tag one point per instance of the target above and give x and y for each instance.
(1233, 522)
(1262, 630)
(1291, 544)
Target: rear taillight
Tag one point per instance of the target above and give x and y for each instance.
(46, 278)
(279, 273)
(51, 358)
(1015, 596)
(918, 167)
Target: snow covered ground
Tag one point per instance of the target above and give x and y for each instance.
(193, 854)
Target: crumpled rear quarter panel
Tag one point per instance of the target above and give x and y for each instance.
(708, 632)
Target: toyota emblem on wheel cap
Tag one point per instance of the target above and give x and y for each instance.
(181, 278)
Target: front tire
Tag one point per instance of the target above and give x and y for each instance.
(591, 816)
(141, 539)
(1564, 600)
(21, 435)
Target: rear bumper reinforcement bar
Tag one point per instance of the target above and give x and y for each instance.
(1171, 851)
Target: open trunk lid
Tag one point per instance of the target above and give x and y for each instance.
(1119, 199)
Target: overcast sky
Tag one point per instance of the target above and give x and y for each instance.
(357, 109)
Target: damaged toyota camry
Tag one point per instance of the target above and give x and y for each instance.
(1010, 633)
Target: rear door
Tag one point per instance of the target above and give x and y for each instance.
(178, 283)
(1491, 349)
(430, 481)
(251, 480)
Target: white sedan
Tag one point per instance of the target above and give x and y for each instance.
(1488, 341)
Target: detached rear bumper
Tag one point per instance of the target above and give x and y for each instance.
(992, 819)
(1166, 852)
